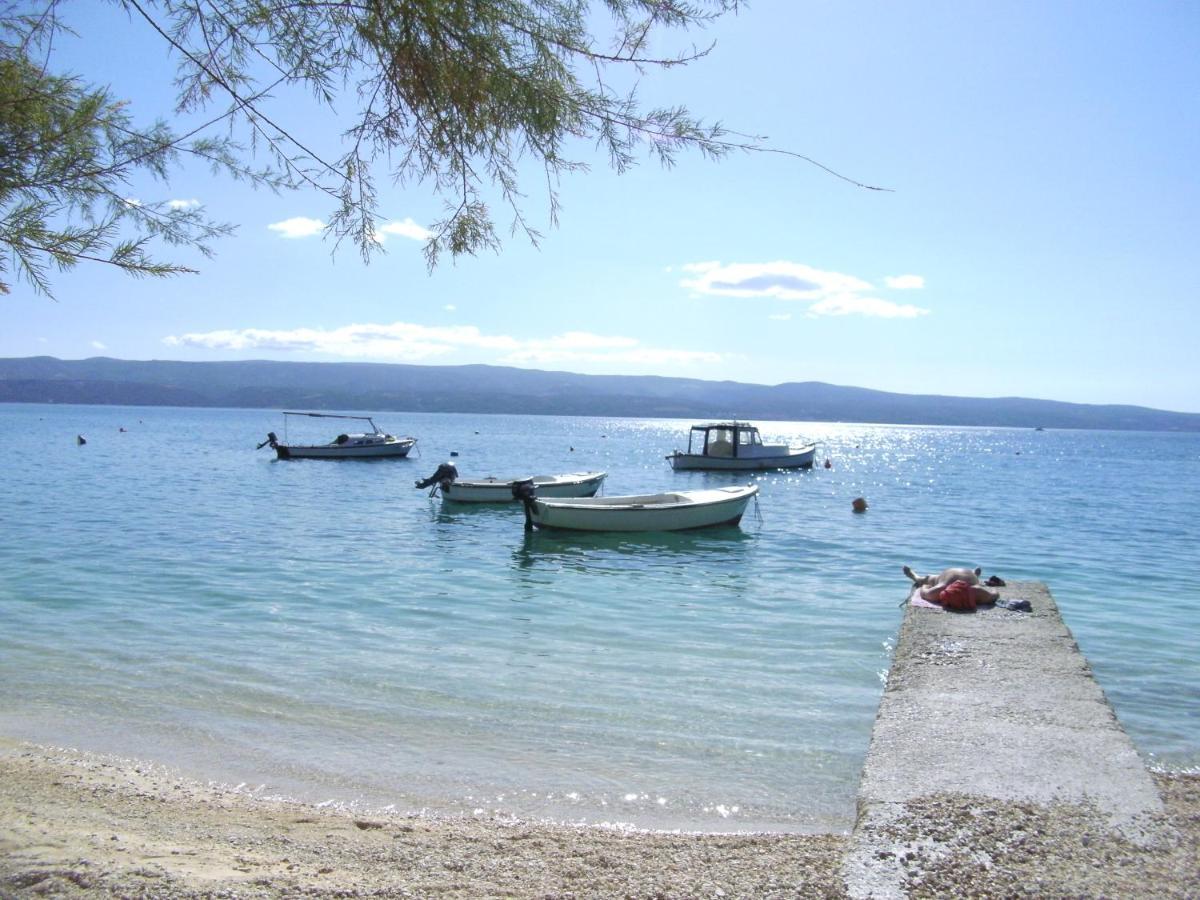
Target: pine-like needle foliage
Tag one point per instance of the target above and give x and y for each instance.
(456, 94)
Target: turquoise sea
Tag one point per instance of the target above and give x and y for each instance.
(324, 631)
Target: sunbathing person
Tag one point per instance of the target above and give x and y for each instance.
(931, 586)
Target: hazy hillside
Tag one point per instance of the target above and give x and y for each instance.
(496, 389)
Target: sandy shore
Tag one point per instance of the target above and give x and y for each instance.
(74, 825)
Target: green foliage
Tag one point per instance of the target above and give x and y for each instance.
(66, 152)
(453, 94)
(450, 93)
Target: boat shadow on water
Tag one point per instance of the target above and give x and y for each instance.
(506, 515)
(577, 548)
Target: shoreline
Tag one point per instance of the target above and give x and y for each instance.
(78, 824)
(633, 805)
(74, 824)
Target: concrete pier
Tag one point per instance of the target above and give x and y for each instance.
(990, 707)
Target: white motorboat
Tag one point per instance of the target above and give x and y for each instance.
(373, 444)
(445, 481)
(737, 447)
(673, 511)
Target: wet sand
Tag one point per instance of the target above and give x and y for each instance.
(77, 825)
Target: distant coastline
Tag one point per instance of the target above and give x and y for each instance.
(262, 384)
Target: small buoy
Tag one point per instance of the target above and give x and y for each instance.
(572, 449)
(828, 464)
(79, 440)
(122, 428)
(859, 505)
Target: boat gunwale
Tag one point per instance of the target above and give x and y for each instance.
(792, 453)
(610, 504)
(558, 480)
(333, 445)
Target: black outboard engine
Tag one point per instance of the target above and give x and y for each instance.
(525, 492)
(271, 439)
(443, 477)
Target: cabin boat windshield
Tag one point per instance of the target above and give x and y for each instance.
(723, 440)
(720, 442)
(748, 437)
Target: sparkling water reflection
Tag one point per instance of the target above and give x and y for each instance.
(331, 632)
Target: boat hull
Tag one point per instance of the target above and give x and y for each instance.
(680, 511)
(801, 458)
(496, 490)
(390, 449)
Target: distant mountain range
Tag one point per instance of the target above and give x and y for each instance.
(498, 389)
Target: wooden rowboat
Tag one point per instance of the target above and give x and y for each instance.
(500, 490)
(672, 511)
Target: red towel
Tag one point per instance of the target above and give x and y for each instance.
(957, 595)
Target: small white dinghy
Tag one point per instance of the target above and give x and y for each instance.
(673, 511)
(501, 490)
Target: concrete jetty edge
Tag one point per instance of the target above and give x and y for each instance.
(988, 708)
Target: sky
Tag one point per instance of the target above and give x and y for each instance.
(1039, 236)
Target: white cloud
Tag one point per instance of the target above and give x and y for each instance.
(449, 307)
(404, 341)
(132, 201)
(566, 349)
(183, 204)
(399, 340)
(780, 317)
(853, 305)
(904, 282)
(408, 228)
(298, 227)
(827, 293)
(785, 280)
(582, 346)
(98, 345)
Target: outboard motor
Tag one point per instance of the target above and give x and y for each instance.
(525, 491)
(443, 477)
(271, 439)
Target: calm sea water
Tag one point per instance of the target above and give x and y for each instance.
(323, 630)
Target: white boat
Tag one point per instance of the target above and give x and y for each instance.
(373, 444)
(673, 511)
(500, 490)
(737, 447)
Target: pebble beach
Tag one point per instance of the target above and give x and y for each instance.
(80, 825)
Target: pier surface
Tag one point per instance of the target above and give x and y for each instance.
(985, 710)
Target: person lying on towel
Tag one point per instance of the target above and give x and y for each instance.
(953, 588)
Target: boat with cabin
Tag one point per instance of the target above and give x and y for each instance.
(737, 447)
(669, 511)
(373, 444)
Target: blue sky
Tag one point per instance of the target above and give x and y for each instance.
(1040, 237)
